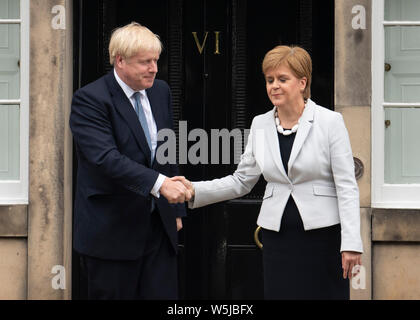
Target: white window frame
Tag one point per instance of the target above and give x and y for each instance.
(16, 191)
(404, 196)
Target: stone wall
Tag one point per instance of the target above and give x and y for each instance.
(353, 101)
(49, 213)
(37, 237)
(391, 237)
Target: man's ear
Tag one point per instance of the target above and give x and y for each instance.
(118, 61)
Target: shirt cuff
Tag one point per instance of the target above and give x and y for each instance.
(159, 181)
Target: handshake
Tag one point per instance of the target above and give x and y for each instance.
(177, 189)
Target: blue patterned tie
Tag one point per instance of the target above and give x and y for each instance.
(143, 121)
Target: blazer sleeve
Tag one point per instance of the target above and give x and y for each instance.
(92, 130)
(342, 165)
(230, 187)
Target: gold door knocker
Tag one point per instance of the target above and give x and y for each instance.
(256, 239)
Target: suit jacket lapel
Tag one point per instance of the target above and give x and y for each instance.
(156, 110)
(124, 107)
(273, 142)
(305, 126)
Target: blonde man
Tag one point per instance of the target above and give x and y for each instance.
(127, 210)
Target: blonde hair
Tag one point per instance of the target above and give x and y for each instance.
(296, 58)
(127, 41)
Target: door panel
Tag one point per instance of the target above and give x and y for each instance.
(9, 9)
(9, 89)
(402, 85)
(400, 10)
(9, 61)
(9, 142)
(402, 81)
(212, 58)
(402, 154)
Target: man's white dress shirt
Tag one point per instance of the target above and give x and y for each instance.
(150, 123)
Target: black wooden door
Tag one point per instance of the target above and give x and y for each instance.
(212, 61)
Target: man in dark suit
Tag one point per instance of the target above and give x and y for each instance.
(127, 208)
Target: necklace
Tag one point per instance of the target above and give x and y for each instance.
(280, 129)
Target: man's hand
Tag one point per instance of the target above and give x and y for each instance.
(178, 224)
(174, 191)
(187, 183)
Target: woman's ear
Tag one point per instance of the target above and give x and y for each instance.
(303, 81)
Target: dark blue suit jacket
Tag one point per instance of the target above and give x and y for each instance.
(115, 174)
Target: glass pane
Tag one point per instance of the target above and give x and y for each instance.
(402, 64)
(9, 142)
(402, 10)
(402, 145)
(9, 9)
(9, 61)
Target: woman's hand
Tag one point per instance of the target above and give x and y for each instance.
(350, 259)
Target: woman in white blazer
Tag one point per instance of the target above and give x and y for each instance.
(310, 209)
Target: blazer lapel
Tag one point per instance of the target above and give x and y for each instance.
(273, 142)
(124, 107)
(305, 126)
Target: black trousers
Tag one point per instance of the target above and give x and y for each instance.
(152, 276)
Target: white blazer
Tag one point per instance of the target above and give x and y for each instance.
(321, 176)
